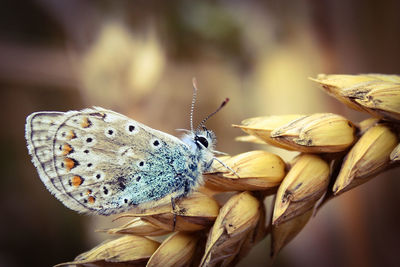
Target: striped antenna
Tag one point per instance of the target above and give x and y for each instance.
(194, 82)
(212, 114)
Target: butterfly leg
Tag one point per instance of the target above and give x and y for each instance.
(226, 166)
(186, 191)
(174, 212)
(216, 152)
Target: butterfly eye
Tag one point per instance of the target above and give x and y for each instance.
(202, 140)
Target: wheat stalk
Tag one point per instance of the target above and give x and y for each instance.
(336, 156)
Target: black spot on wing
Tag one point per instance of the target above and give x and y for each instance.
(121, 183)
(105, 190)
(122, 186)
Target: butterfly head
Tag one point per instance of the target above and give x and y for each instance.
(204, 139)
(201, 138)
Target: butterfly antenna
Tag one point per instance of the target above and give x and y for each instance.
(194, 82)
(212, 114)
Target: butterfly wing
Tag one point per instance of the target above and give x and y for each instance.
(99, 161)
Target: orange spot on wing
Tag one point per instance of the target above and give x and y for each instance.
(71, 135)
(66, 149)
(91, 199)
(88, 192)
(69, 163)
(86, 122)
(77, 180)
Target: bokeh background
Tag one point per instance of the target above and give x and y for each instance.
(138, 58)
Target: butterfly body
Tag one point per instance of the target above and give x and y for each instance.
(101, 162)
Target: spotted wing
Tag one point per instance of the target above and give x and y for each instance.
(99, 161)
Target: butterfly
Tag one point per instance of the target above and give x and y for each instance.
(97, 161)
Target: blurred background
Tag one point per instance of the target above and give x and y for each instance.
(138, 58)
